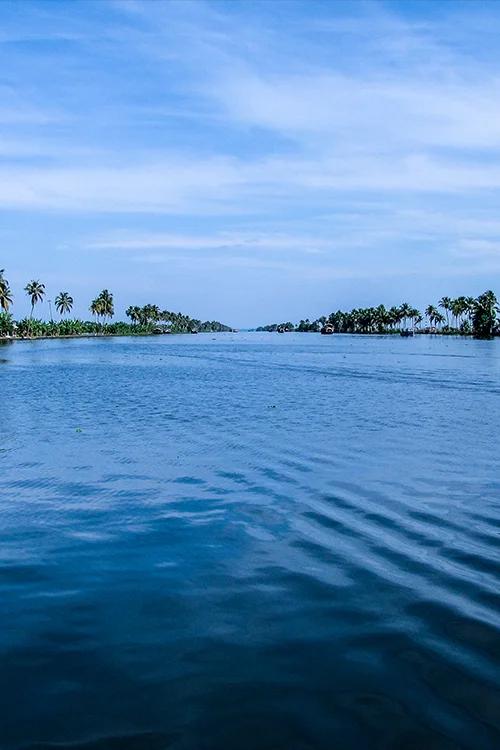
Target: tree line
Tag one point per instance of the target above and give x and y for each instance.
(144, 320)
(465, 316)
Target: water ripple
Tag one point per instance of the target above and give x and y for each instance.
(250, 540)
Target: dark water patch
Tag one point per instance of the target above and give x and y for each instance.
(142, 741)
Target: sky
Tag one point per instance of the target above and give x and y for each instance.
(250, 162)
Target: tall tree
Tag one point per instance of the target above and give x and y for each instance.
(405, 310)
(415, 316)
(134, 313)
(484, 318)
(96, 309)
(106, 304)
(445, 303)
(5, 293)
(64, 303)
(36, 292)
(432, 312)
(102, 306)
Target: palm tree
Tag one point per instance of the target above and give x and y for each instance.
(445, 303)
(394, 316)
(439, 319)
(484, 319)
(102, 306)
(134, 313)
(96, 309)
(64, 303)
(405, 311)
(415, 316)
(431, 311)
(5, 293)
(455, 309)
(461, 306)
(35, 291)
(105, 299)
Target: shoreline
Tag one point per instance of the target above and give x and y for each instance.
(89, 336)
(392, 334)
(104, 336)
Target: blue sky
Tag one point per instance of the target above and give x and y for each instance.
(250, 161)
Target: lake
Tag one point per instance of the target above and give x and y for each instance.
(250, 541)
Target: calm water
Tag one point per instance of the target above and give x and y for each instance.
(250, 541)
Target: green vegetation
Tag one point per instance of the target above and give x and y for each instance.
(5, 293)
(171, 322)
(64, 303)
(102, 307)
(484, 321)
(462, 316)
(146, 320)
(35, 292)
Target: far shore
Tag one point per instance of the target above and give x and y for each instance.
(80, 336)
(105, 335)
(391, 334)
(462, 316)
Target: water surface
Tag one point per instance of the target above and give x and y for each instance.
(250, 541)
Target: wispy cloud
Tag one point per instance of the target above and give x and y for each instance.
(228, 184)
(219, 241)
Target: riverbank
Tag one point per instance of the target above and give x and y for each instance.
(150, 334)
(463, 316)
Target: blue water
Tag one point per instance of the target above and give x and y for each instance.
(250, 541)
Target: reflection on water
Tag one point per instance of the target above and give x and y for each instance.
(251, 541)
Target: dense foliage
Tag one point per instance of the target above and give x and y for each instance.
(171, 321)
(463, 315)
(484, 320)
(5, 293)
(145, 320)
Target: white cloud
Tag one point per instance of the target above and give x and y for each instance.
(218, 241)
(220, 185)
(171, 186)
(368, 113)
(479, 248)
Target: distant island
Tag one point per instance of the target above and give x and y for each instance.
(464, 316)
(146, 320)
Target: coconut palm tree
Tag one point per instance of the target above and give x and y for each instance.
(96, 310)
(485, 314)
(415, 316)
(445, 303)
(405, 311)
(470, 306)
(394, 316)
(64, 303)
(439, 318)
(102, 306)
(5, 293)
(431, 311)
(455, 309)
(36, 292)
(107, 309)
(134, 313)
(461, 307)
